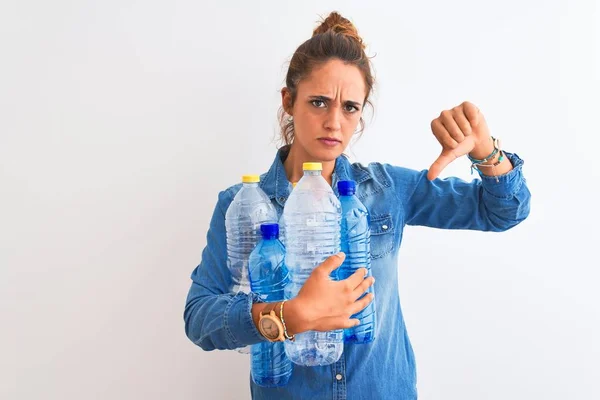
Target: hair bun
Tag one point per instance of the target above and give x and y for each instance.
(338, 24)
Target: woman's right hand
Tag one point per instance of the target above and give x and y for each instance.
(324, 304)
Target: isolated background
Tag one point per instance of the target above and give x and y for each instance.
(120, 121)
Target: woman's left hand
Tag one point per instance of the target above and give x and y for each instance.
(461, 130)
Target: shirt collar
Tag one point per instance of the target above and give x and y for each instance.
(276, 185)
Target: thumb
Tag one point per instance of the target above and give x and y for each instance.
(438, 165)
(449, 155)
(332, 263)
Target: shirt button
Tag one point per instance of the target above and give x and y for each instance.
(339, 377)
(384, 227)
(282, 199)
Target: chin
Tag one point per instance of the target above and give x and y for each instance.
(324, 155)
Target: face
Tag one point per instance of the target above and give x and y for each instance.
(327, 110)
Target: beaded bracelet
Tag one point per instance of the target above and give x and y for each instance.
(285, 333)
(496, 143)
(500, 159)
(476, 163)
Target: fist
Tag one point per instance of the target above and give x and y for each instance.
(461, 130)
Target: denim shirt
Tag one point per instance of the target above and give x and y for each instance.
(395, 197)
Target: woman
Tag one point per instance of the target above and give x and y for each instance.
(328, 84)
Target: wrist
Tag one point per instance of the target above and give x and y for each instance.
(295, 320)
(483, 148)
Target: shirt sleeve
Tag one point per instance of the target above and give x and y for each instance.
(215, 318)
(487, 204)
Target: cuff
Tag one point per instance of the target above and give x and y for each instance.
(507, 185)
(239, 325)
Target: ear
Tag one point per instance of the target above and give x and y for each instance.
(286, 101)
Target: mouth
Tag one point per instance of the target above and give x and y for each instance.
(330, 142)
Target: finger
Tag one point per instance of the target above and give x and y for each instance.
(361, 304)
(463, 123)
(471, 112)
(354, 280)
(363, 287)
(452, 127)
(332, 263)
(331, 323)
(441, 134)
(445, 158)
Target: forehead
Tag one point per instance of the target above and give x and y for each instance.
(334, 78)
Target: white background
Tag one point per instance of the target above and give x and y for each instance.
(120, 121)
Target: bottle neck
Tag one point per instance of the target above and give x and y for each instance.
(312, 173)
(250, 185)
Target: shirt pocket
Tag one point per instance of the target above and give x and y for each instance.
(382, 235)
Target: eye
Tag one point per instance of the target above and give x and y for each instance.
(350, 108)
(318, 103)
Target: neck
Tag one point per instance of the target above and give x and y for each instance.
(296, 157)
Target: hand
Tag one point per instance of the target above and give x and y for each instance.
(460, 131)
(324, 304)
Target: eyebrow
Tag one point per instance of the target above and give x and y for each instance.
(327, 99)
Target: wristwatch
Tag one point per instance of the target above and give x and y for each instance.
(270, 325)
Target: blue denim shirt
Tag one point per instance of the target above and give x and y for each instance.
(395, 197)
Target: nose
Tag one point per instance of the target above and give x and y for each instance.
(333, 122)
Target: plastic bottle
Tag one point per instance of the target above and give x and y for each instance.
(355, 242)
(249, 209)
(312, 217)
(282, 220)
(270, 367)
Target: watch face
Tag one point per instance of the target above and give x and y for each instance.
(269, 328)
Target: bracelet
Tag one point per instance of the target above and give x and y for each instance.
(285, 333)
(475, 163)
(496, 144)
(500, 159)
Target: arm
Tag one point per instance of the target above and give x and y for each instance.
(215, 318)
(452, 203)
(496, 203)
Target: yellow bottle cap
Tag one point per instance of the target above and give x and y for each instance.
(312, 166)
(250, 179)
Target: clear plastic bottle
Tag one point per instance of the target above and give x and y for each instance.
(249, 209)
(356, 244)
(270, 367)
(282, 220)
(312, 217)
